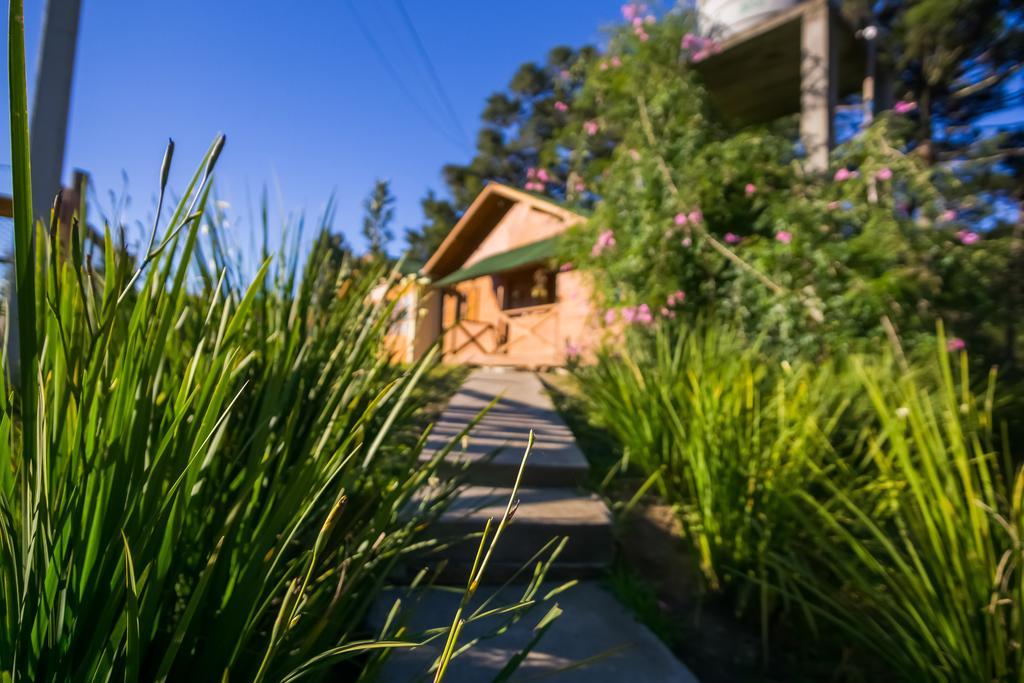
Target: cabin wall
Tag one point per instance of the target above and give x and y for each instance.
(522, 225)
(579, 320)
(428, 322)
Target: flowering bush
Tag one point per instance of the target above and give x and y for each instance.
(735, 220)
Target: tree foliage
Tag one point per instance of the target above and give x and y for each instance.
(885, 243)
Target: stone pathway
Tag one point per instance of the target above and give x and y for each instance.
(595, 632)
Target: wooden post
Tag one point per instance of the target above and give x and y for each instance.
(819, 83)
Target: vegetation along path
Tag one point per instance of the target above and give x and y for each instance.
(595, 639)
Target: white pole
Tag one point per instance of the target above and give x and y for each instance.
(48, 127)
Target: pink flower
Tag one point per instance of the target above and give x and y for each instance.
(668, 313)
(629, 314)
(686, 242)
(649, 19)
(542, 175)
(591, 127)
(630, 11)
(904, 107)
(967, 237)
(616, 62)
(955, 344)
(609, 316)
(603, 65)
(531, 172)
(564, 267)
(701, 54)
(884, 174)
(680, 219)
(695, 216)
(572, 351)
(643, 315)
(579, 186)
(637, 22)
(676, 297)
(832, 206)
(733, 238)
(784, 236)
(534, 187)
(750, 190)
(691, 41)
(948, 215)
(634, 155)
(641, 35)
(842, 174)
(561, 106)
(606, 240)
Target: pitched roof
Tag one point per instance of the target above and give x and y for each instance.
(489, 207)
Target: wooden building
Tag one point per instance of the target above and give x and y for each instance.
(496, 292)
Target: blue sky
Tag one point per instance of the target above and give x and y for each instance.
(307, 106)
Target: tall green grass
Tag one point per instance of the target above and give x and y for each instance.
(719, 432)
(215, 483)
(867, 497)
(918, 558)
(202, 477)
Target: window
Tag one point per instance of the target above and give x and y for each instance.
(528, 287)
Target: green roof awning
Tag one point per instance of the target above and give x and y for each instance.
(534, 252)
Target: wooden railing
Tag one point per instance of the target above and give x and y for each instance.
(475, 335)
(529, 335)
(531, 331)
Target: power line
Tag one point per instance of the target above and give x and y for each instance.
(382, 58)
(402, 53)
(431, 71)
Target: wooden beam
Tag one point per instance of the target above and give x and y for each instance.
(6, 207)
(757, 75)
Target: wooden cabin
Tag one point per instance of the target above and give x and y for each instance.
(496, 291)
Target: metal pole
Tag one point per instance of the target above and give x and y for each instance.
(869, 34)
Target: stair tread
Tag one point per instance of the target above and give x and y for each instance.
(595, 628)
(475, 504)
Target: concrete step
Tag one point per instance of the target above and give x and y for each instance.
(494, 449)
(595, 635)
(542, 514)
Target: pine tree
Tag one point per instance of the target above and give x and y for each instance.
(379, 209)
(524, 127)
